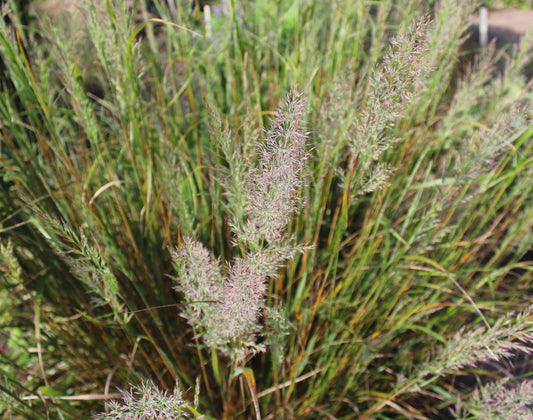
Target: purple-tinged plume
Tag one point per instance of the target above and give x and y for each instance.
(271, 189)
(224, 308)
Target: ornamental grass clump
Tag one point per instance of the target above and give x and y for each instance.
(362, 252)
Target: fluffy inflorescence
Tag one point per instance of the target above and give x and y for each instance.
(147, 402)
(271, 188)
(224, 308)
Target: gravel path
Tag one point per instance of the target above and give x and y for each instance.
(517, 21)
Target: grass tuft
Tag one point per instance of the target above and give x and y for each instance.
(272, 209)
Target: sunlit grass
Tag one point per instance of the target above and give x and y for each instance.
(405, 235)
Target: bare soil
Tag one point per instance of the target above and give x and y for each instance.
(515, 20)
(505, 25)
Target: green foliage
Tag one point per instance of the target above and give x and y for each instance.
(163, 228)
(497, 4)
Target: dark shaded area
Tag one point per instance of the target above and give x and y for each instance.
(23, 15)
(501, 36)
